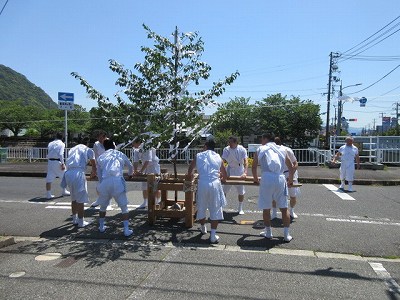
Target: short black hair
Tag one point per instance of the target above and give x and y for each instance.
(108, 144)
(210, 144)
(270, 136)
(233, 139)
(278, 140)
(59, 135)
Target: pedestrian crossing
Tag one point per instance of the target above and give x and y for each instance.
(338, 192)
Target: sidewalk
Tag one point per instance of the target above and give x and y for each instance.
(307, 174)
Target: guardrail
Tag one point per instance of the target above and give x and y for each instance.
(309, 156)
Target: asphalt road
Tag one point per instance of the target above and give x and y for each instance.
(342, 249)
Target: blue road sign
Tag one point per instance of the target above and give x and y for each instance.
(65, 96)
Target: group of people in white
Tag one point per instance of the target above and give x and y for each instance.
(277, 183)
(275, 161)
(108, 165)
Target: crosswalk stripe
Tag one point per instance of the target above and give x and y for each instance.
(341, 194)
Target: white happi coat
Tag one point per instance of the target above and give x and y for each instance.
(348, 154)
(209, 190)
(75, 176)
(55, 156)
(111, 170)
(273, 182)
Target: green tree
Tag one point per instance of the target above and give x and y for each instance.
(154, 102)
(15, 116)
(236, 116)
(296, 121)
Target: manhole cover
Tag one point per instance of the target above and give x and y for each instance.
(48, 256)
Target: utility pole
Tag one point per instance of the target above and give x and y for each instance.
(397, 118)
(381, 123)
(327, 129)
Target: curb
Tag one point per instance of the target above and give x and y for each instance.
(6, 241)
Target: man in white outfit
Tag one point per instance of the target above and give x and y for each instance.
(235, 156)
(210, 194)
(112, 185)
(98, 149)
(55, 164)
(294, 192)
(75, 179)
(273, 184)
(347, 153)
(150, 165)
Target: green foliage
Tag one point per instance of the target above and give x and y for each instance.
(296, 121)
(15, 116)
(154, 102)
(15, 86)
(236, 115)
(221, 137)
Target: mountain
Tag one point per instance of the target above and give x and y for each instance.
(14, 86)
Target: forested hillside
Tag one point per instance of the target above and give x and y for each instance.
(15, 86)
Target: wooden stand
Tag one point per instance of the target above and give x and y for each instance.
(166, 207)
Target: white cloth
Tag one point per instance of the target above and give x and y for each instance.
(272, 187)
(112, 187)
(55, 156)
(293, 191)
(111, 164)
(273, 184)
(209, 190)
(111, 167)
(235, 158)
(75, 176)
(78, 157)
(55, 150)
(348, 154)
(98, 149)
(54, 170)
(151, 157)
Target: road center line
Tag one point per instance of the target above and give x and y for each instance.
(341, 194)
(363, 221)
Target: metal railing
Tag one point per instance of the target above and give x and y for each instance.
(310, 156)
(385, 150)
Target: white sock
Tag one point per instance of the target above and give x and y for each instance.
(75, 219)
(286, 231)
(274, 211)
(213, 233)
(291, 210)
(268, 230)
(126, 224)
(240, 205)
(102, 222)
(145, 201)
(158, 200)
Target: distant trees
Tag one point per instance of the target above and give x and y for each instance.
(296, 121)
(16, 116)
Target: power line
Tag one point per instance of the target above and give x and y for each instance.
(4, 6)
(371, 35)
(375, 81)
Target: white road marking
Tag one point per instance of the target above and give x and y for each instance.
(341, 194)
(393, 286)
(363, 221)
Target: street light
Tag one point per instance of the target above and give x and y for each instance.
(340, 107)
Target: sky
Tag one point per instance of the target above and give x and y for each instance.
(277, 46)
